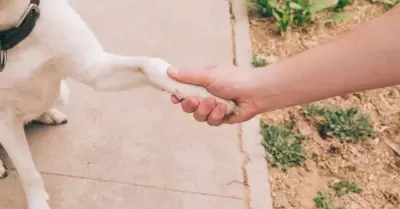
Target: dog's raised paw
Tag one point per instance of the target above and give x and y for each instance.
(156, 70)
(52, 117)
(3, 170)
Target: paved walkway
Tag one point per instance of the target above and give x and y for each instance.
(135, 149)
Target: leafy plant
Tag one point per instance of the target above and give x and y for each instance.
(389, 4)
(288, 12)
(341, 4)
(283, 146)
(344, 187)
(310, 9)
(347, 125)
(340, 16)
(284, 16)
(264, 7)
(303, 14)
(258, 62)
(311, 110)
(323, 202)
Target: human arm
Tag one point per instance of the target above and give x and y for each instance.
(365, 58)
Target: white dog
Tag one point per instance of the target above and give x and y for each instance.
(42, 43)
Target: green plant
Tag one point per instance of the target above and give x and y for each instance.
(340, 16)
(288, 12)
(344, 187)
(347, 125)
(323, 202)
(284, 16)
(283, 146)
(302, 15)
(341, 4)
(263, 7)
(270, 8)
(258, 62)
(305, 10)
(310, 110)
(389, 4)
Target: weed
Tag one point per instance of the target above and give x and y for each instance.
(347, 125)
(340, 16)
(341, 4)
(344, 187)
(324, 202)
(311, 110)
(283, 16)
(389, 4)
(298, 12)
(307, 9)
(258, 62)
(283, 146)
(263, 7)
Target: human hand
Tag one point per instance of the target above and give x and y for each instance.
(231, 83)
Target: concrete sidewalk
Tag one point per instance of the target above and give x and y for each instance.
(135, 149)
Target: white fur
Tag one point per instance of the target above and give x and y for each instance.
(61, 46)
(3, 170)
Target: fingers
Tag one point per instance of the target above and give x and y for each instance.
(190, 105)
(206, 111)
(175, 99)
(216, 118)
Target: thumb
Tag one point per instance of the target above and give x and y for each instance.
(190, 76)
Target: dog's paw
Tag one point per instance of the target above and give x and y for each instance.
(52, 117)
(3, 170)
(156, 70)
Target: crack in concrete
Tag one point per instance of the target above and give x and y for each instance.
(244, 171)
(244, 153)
(233, 21)
(137, 185)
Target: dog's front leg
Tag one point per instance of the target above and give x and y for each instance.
(109, 72)
(14, 141)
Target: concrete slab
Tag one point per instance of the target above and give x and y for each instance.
(138, 137)
(76, 193)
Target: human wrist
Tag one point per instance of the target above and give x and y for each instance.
(264, 94)
(280, 85)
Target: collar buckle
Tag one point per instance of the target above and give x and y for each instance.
(31, 7)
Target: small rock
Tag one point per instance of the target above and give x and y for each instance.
(371, 177)
(272, 59)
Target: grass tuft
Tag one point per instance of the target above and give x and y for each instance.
(322, 201)
(283, 146)
(344, 187)
(347, 125)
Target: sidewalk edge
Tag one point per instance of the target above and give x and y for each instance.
(258, 193)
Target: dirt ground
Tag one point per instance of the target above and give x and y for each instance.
(373, 164)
